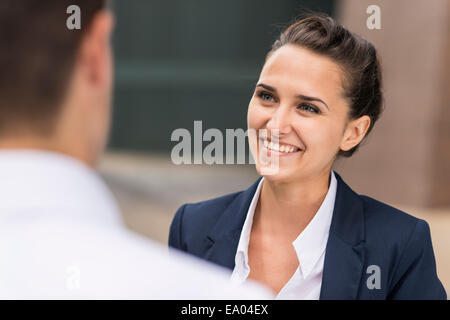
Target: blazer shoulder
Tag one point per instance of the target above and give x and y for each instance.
(208, 211)
(197, 225)
(390, 229)
(193, 221)
(378, 218)
(407, 239)
(378, 213)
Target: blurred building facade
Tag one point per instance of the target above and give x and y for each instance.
(406, 159)
(184, 60)
(181, 61)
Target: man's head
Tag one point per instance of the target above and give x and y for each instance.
(55, 83)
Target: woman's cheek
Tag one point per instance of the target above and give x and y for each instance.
(256, 116)
(329, 141)
(253, 124)
(314, 134)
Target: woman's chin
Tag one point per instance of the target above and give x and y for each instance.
(280, 173)
(277, 165)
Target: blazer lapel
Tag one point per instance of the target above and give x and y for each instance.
(224, 237)
(344, 254)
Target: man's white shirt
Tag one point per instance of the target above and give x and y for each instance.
(309, 246)
(62, 237)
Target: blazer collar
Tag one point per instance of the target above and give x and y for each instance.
(344, 254)
(225, 234)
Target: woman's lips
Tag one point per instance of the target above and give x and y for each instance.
(280, 150)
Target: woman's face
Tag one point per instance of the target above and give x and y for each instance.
(298, 101)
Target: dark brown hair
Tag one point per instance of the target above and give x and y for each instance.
(37, 57)
(356, 56)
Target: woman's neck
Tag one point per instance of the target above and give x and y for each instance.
(285, 206)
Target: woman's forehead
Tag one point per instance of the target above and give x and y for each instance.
(295, 66)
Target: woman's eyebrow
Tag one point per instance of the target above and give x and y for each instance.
(300, 96)
(307, 98)
(267, 87)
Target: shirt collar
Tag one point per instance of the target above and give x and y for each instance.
(37, 184)
(309, 245)
(244, 240)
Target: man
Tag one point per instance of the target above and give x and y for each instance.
(61, 235)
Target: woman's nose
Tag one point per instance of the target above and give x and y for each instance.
(280, 120)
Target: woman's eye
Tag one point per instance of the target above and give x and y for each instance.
(308, 107)
(265, 96)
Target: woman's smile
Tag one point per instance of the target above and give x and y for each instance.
(279, 149)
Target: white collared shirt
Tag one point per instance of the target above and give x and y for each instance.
(309, 246)
(62, 237)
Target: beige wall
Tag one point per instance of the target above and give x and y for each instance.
(406, 158)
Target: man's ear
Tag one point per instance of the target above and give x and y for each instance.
(95, 47)
(355, 132)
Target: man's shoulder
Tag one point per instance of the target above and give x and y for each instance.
(108, 263)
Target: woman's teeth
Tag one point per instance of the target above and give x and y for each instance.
(279, 147)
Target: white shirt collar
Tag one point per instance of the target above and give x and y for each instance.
(35, 183)
(309, 245)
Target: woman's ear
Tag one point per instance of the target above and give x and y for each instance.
(355, 132)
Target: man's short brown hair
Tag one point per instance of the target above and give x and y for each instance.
(37, 57)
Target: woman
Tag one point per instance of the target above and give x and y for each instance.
(300, 229)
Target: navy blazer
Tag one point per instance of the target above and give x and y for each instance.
(367, 239)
